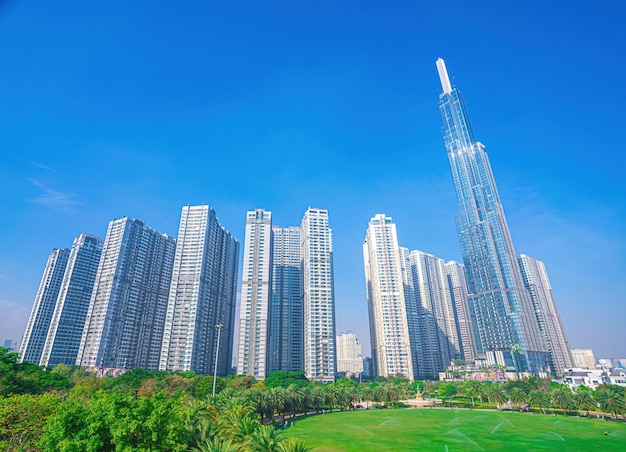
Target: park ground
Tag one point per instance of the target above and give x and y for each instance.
(440, 429)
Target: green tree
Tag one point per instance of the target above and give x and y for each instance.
(284, 379)
(218, 445)
(471, 388)
(498, 395)
(561, 398)
(23, 419)
(611, 400)
(538, 399)
(266, 439)
(293, 445)
(517, 396)
(583, 399)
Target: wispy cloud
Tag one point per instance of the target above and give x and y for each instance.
(43, 166)
(61, 201)
(3, 276)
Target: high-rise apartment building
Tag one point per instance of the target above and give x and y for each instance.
(457, 285)
(45, 301)
(435, 342)
(316, 245)
(583, 358)
(349, 357)
(499, 303)
(286, 343)
(256, 290)
(199, 321)
(537, 282)
(124, 323)
(68, 319)
(389, 329)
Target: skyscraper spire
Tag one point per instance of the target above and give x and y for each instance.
(443, 76)
(500, 306)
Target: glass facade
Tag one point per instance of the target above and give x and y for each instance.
(500, 306)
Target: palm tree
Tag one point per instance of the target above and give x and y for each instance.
(562, 398)
(583, 399)
(218, 445)
(516, 350)
(611, 401)
(318, 397)
(537, 398)
(293, 445)
(517, 396)
(472, 389)
(240, 430)
(265, 439)
(276, 399)
(498, 395)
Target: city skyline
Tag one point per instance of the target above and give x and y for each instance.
(113, 119)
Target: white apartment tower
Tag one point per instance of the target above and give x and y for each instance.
(45, 301)
(583, 358)
(68, 320)
(349, 357)
(316, 245)
(536, 281)
(199, 321)
(256, 289)
(457, 285)
(286, 343)
(124, 323)
(435, 340)
(389, 331)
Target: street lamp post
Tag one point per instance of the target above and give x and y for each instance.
(219, 327)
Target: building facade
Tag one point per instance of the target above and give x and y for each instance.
(389, 328)
(286, 349)
(583, 358)
(500, 305)
(36, 332)
(457, 285)
(349, 356)
(256, 291)
(437, 341)
(200, 315)
(316, 248)
(538, 285)
(68, 320)
(124, 322)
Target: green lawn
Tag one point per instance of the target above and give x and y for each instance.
(455, 430)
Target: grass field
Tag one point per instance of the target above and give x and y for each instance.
(455, 430)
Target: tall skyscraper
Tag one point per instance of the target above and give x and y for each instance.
(389, 330)
(457, 284)
(43, 308)
(124, 323)
(537, 282)
(286, 348)
(349, 357)
(256, 289)
(437, 341)
(499, 303)
(68, 320)
(200, 316)
(316, 245)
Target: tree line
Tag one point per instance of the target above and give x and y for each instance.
(68, 409)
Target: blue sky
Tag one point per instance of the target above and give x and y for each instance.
(138, 108)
